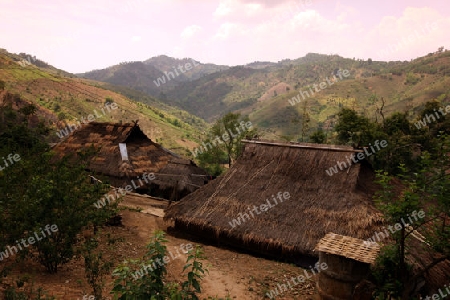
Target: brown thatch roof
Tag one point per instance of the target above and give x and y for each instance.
(319, 203)
(144, 156)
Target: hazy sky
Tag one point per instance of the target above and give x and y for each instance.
(82, 35)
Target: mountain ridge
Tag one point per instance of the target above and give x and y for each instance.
(262, 89)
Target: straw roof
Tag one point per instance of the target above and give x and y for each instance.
(349, 247)
(318, 203)
(144, 156)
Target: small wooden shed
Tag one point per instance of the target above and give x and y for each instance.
(348, 262)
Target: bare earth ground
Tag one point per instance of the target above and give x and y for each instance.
(234, 274)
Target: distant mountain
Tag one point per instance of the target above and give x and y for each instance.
(261, 64)
(168, 64)
(155, 75)
(262, 90)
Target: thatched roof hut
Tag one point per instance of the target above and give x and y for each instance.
(318, 203)
(175, 177)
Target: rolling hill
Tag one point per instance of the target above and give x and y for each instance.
(262, 90)
(63, 99)
(153, 76)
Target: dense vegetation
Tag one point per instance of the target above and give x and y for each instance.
(413, 176)
(41, 192)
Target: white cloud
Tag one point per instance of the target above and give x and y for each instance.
(225, 31)
(136, 38)
(345, 11)
(190, 31)
(312, 20)
(416, 32)
(224, 8)
(236, 9)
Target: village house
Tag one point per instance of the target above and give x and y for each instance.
(290, 229)
(126, 153)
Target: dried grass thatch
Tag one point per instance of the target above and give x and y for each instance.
(175, 177)
(319, 203)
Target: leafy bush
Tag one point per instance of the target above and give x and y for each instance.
(137, 280)
(425, 190)
(318, 137)
(95, 266)
(27, 292)
(385, 274)
(411, 79)
(40, 190)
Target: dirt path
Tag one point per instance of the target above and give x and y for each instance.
(233, 274)
(217, 282)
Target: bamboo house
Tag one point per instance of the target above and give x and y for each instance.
(124, 152)
(318, 203)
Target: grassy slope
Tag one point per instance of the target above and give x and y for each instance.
(362, 94)
(77, 98)
(263, 93)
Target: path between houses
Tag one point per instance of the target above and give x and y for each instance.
(238, 275)
(217, 282)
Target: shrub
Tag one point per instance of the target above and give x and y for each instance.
(136, 280)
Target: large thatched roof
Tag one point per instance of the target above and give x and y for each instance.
(319, 203)
(144, 156)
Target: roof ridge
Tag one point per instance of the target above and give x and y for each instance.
(338, 148)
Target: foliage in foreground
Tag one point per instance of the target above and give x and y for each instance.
(28, 291)
(136, 280)
(40, 190)
(96, 266)
(427, 190)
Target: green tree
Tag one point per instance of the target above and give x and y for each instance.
(212, 160)
(305, 120)
(426, 190)
(404, 141)
(411, 79)
(354, 129)
(318, 137)
(46, 191)
(40, 190)
(403, 145)
(227, 133)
